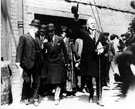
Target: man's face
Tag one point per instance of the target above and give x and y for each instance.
(63, 34)
(51, 33)
(91, 24)
(36, 29)
(42, 33)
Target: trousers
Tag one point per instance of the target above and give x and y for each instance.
(88, 81)
(31, 83)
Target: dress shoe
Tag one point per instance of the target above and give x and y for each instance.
(57, 101)
(99, 102)
(36, 103)
(26, 101)
(91, 99)
(31, 101)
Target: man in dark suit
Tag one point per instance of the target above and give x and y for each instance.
(28, 57)
(43, 90)
(56, 48)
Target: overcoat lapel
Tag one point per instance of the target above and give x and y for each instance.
(39, 42)
(51, 46)
(31, 40)
(97, 37)
(56, 39)
(55, 42)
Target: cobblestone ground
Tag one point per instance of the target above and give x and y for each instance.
(80, 101)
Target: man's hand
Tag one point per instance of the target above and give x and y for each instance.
(100, 51)
(100, 48)
(45, 40)
(19, 67)
(132, 68)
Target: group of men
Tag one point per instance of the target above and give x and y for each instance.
(37, 51)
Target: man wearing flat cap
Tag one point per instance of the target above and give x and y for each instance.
(56, 61)
(28, 57)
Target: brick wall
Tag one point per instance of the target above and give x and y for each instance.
(14, 19)
(111, 21)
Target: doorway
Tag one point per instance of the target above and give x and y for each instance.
(58, 21)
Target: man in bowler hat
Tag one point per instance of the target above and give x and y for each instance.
(28, 57)
(56, 61)
(42, 32)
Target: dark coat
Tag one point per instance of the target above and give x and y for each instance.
(104, 59)
(124, 60)
(27, 51)
(89, 58)
(55, 60)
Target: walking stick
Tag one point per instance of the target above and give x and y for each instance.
(100, 85)
(100, 91)
(112, 67)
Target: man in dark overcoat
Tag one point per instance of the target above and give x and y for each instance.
(89, 65)
(28, 57)
(56, 48)
(43, 38)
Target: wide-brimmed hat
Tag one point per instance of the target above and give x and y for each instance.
(50, 27)
(43, 28)
(35, 22)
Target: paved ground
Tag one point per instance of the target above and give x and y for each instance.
(80, 101)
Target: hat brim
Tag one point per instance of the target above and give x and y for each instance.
(42, 30)
(50, 29)
(34, 25)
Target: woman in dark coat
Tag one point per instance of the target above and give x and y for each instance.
(55, 48)
(70, 84)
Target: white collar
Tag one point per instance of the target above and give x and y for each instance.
(32, 34)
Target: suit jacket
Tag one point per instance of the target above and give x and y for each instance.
(27, 51)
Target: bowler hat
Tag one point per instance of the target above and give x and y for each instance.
(113, 36)
(35, 22)
(43, 28)
(50, 27)
(106, 33)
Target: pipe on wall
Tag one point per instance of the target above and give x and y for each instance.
(20, 18)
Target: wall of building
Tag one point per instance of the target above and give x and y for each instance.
(115, 21)
(5, 31)
(111, 21)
